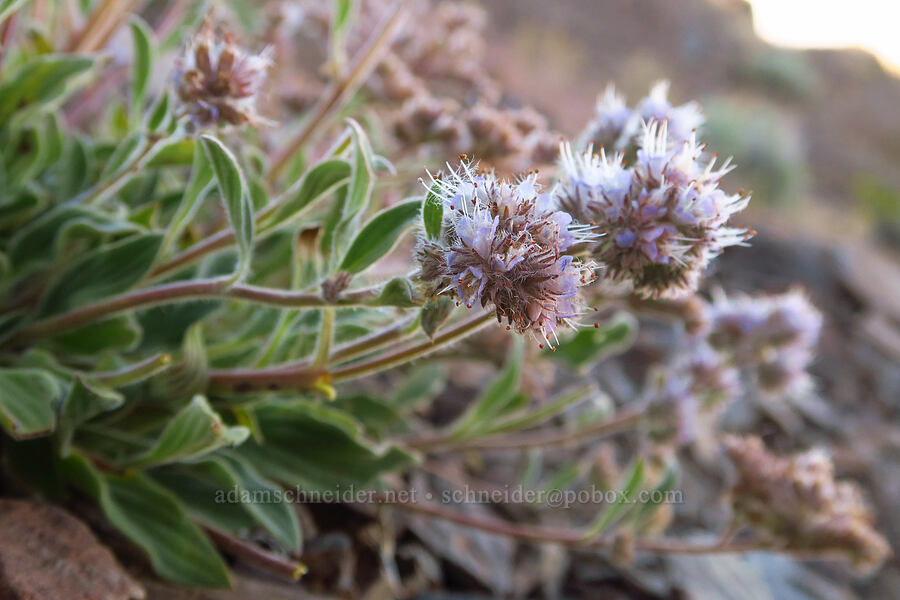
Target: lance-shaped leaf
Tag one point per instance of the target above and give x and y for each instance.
(106, 271)
(591, 344)
(318, 182)
(362, 178)
(233, 189)
(143, 61)
(154, 520)
(495, 399)
(433, 214)
(625, 499)
(26, 402)
(194, 432)
(379, 235)
(199, 183)
(84, 401)
(317, 448)
(40, 80)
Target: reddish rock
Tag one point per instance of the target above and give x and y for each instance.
(47, 554)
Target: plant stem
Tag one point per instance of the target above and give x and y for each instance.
(200, 289)
(133, 373)
(541, 439)
(571, 538)
(411, 353)
(370, 343)
(363, 64)
(110, 185)
(256, 556)
(304, 376)
(102, 23)
(326, 337)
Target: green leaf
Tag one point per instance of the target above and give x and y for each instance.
(209, 492)
(124, 154)
(104, 272)
(231, 184)
(399, 292)
(155, 521)
(143, 61)
(421, 386)
(590, 345)
(39, 81)
(178, 152)
(342, 12)
(195, 431)
(362, 179)
(199, 184)
(435, 313)
(118, 333)
(379, 235)
(84, 401)
(40, 239)
(159, 113)
(657, 496)
(26, 402)
(317, 448)
(433, 214)
(625, 499)
(318, 182)
(278, 517)
(75, 168)
(495, 399)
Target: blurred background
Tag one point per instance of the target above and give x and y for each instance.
(804, 94)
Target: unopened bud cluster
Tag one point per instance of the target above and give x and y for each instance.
(218, 82)
(797, 503)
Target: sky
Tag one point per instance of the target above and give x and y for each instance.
(868, 24)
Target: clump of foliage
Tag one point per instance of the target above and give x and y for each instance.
(195, 294)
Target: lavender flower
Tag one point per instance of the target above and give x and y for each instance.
(503, 243)
(775, 336)
(798, 504)
(218, 81)
(698, 381)
(662, 220)
(682, 120)
(612, 119)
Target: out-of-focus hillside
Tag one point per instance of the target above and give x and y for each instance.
(815, 126)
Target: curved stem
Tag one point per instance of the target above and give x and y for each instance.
(363, 64)
(570, 538)
(184, 290)
(256, 556)
(304, 376)
(370, 343)
(411, 353)
(524, 441)
(133, 373)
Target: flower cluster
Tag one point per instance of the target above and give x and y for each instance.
(797, 502)
(698, 380)
(218, 81)
(775, 336)
(502, 243)
(615, 125)
(662, 220)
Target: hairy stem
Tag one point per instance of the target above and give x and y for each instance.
(256, 556)
(398, 357)
(133, 373)
(199, 289)
(363, 64)
(571, 538)
(524, 441)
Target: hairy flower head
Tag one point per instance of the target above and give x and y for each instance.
(775, 336)
(681, 121)
(662, 220)
(503, 243)
(612, 119)
(218, 81)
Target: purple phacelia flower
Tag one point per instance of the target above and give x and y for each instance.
(218, 82)
(682, 120)
(774, 337)
(661, 220)
(613, 121)
(503, 243)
